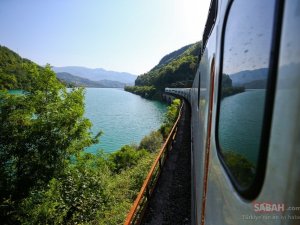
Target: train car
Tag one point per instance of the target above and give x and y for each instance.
(182, 92)
(245, 103)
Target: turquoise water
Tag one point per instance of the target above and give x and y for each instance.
(240, 123)
(16, 92)
(124, 118)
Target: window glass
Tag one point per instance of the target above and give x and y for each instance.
(246, 56)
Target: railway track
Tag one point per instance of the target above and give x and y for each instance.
(171, 199)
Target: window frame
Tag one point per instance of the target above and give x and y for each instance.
(198, 94)
(210, 23)
(209, 26)
(254, 189)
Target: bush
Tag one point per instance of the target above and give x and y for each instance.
(79, 196)
(152, 142)
(125, 158)
(123, 189)
(94, 189)
(170, 118)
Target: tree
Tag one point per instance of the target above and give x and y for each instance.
(79, 196)
(13, 73)
(40, 131)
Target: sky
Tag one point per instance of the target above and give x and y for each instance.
(248, 40)
(126, 36)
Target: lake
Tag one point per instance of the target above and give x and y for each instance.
(240, 123)
(124, 118)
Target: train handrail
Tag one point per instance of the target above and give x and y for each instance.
(137, 210)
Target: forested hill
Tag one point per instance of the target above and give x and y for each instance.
(13, 74)
(171, 56)
(176, 69)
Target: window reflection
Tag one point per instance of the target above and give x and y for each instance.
(247, 46)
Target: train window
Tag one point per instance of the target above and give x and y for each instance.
(246, 55)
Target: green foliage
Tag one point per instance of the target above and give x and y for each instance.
(173, 55)
(40, 130)
(7, 81)
(124, 187)
(125, 158)
(144, 91)
(180, 68)
(176, 70)
(78, 196)
(152, 142)
(170, 117)
(13, 70)
(46, 178)
(96, 189)
(240, 167)
(88, 192)
(172, 112)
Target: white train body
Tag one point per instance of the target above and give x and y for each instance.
(272, 195)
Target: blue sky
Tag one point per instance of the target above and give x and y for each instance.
(121, 35)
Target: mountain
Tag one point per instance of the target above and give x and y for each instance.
(97, 74)
(250, 78)
(176, 69)
(172, 56)
(14, 75)
(111, 83)
(13, 72)
(256, 84)
(72, 80)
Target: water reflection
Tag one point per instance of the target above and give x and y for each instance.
(242, 169)
(247, 47)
